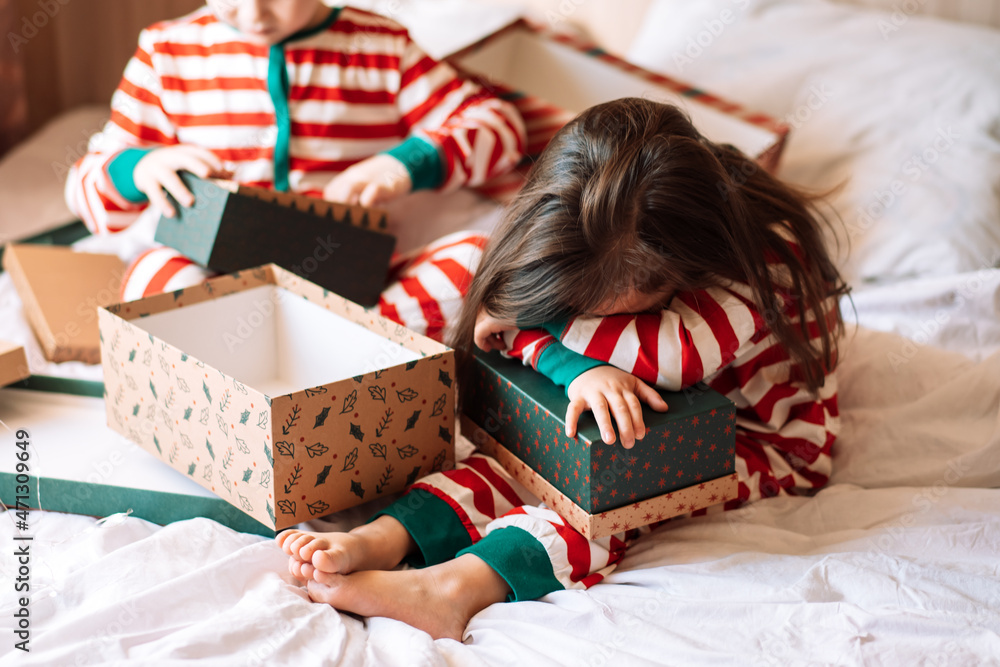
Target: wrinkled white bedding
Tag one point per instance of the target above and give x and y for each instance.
(905, 574)
(894, 563)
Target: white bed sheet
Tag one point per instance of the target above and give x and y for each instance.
(894, 563)
(906, 574)
(899, 575)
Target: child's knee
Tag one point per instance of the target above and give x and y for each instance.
(160, 270)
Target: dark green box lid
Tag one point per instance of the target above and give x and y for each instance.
(693, 441)
(338, 247)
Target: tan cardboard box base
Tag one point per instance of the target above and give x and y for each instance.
(13, 363)
(61, 290)
(593, 526)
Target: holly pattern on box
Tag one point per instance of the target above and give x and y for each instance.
(288, 458)
(698, 446)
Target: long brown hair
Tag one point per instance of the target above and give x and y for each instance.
(630, 196)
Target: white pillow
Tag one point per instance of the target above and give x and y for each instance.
(867, 94)
(33, 174)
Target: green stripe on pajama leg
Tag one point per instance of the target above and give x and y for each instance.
(520, 559)
(432, 524)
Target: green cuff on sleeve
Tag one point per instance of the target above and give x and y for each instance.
(120, 171)
(556, 329)
(433, 525)
(562, 365)
(520, 559)
(422, 160)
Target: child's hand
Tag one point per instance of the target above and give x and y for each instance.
(607, 388)
(157, 171)
(374, 181)
(489, 332)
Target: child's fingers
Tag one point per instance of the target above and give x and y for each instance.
(195, 164)
(573, 412)
(496, 342)
(208, 158)
(159, 200)
(351, 193)
(623, 417)
(650, 396)
(635, 410)
(599, 406)
(343, 189)
(173, 184)
(483, 338)
(370, 194)
(488, 333)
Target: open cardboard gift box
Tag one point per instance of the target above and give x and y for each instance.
(686, 461)
(551, 77)
(286, 400)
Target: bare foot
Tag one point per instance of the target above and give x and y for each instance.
(440, 600)
(379, 545)
(301, 571)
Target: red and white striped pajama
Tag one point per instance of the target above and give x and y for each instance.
(289, 116)
(784, 436)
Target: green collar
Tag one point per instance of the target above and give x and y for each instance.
(277, 87)
(309, 32)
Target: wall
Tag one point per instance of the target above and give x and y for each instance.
(74, 51)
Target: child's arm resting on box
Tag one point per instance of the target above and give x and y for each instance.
(458, 134)
(698, 334)
(101, 187)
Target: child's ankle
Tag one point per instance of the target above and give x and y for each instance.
(387, 533)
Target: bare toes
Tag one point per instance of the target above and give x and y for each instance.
(317, 545)
(295, 568)
(325, 591)
(333, 560)
(283, 540)
(299, 543)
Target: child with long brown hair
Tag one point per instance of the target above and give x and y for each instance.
(638, 253)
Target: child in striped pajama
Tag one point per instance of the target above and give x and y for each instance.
(638, 253)
(296, 96)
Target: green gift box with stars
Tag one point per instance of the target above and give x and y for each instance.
(284, 399)
(685, 462)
